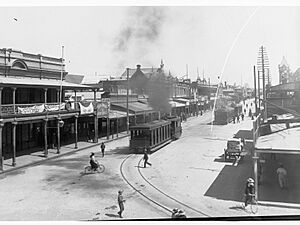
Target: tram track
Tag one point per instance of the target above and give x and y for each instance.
(168, 203)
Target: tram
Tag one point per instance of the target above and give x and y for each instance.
(176, 129)
(154, 135)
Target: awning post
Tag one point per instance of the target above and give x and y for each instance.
(255, 158)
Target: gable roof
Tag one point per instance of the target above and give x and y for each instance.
(146, 71)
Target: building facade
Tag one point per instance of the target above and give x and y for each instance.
(33, 113)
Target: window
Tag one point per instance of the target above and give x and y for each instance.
(18, 64)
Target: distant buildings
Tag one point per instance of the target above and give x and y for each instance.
(34, 115)
(285, 73)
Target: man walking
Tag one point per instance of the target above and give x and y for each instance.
(146, 157)
(102, 149)
(281, 172)
(121, 201)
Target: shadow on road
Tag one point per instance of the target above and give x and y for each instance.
(220, 159)
(229, 184)
(123, 150)
(238, 208)
(247, 134)
(112, 215)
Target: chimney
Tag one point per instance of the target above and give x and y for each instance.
(138, 67)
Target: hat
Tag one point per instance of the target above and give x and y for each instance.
(120, 191)
(175, 210)
(250, 180)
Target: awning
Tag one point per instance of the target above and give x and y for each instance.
(284, 141)
(182, 100)
(117, 114)
(27, 81)
(176, 104)
(135, 107)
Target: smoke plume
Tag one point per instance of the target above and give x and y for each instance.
(158, 89)
(139, 35)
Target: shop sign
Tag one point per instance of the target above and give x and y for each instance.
(86, 110)
(103, 108)
(31, 109)
(54, 107)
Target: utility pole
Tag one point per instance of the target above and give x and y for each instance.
(187, 71)
(59, 121)
(255, 98)
(263, 65)
(127, 96)
(258, 90)
(264, 82)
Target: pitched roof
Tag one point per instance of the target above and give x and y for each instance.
(284, 62)
(76, 79)
(36, 82)
(146, 71)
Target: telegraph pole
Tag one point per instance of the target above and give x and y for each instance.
(127, 96)
(59, 121)
(263, 65)
(255, 98)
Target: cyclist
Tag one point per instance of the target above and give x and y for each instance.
(93, 162)
(249, 191)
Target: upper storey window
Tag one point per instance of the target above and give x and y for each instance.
(19, 65)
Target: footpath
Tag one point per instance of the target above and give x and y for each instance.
(38, 157)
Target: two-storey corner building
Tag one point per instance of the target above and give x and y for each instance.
(33, 112)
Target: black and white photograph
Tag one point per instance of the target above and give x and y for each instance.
(149, 111)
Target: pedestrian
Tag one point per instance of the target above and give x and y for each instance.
(238, 118)
(243, 140)
(102, 146)
(242, 117)
(121, 201)
(250, 113)
(146, 158)
(249, 191)
(282, 173)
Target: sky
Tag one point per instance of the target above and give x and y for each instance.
(105, 40)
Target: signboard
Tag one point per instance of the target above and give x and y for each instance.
(54, 107)
(31, 109)
(103, 108)
(86, 109)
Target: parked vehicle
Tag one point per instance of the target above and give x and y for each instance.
(235, 148)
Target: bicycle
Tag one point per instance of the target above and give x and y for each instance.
(253, 203)
(100, 168)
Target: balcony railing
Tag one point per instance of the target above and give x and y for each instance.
(21, 109)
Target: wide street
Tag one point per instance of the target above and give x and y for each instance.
(191, 169)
